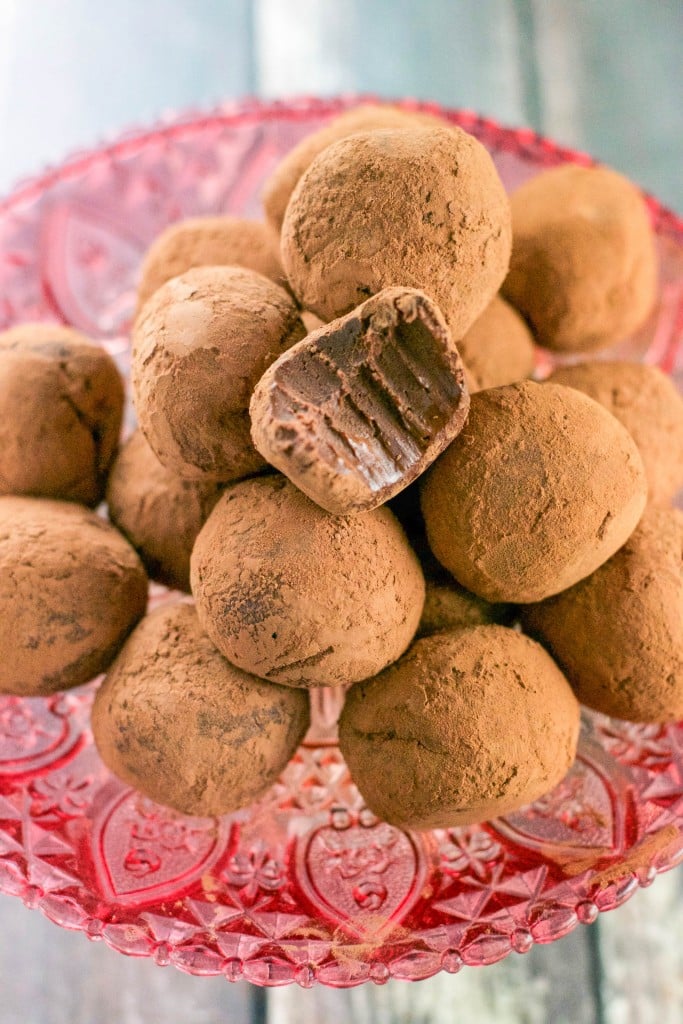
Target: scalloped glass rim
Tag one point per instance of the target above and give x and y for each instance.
(306, 885)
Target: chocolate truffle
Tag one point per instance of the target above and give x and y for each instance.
(300, 597)
(421, 207)
(358, 409)
(61, 402)
(541, 487)
(281, 183)
(465, 727)
(201, 344)
(448, 606)
(310, 321)
(498, 348)
(158, 511)
(177, 721)
(209, 241)
(618, 634)
(583, 269)
(646, 401)
(71, 590)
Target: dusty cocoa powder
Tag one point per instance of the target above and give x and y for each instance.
(300, 597)
(181, 724)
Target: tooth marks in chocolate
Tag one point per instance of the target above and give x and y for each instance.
(359, 408)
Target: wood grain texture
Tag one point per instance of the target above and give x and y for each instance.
(52, 976)
(549, 984)
(464, 54)
(610, 81)
(70, 75)
(641, 950)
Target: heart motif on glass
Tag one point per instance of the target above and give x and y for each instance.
(89, 268)
(586, 814)
(145, 853)
(39, 733)
(362, 873)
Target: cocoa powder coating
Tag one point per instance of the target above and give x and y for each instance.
(648, 404)
(158, 511)
(583, 269)
(465, 727)
(618, 634)
(358, 409)
(541, 487)
(181, 724)
(300, 597)
(310, 321)
(448, 606)
(201, 344)
(498, 349)
(421, 207)
(368, 117)
(61, 403)
(209, 241)
(71, 590)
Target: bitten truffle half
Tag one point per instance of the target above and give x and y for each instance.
(203, 341)
(583, 270)
(648, 404)
(618, 634)
(61, 403)
(464, 727)
(292, 594)
(422, 207)
(358, 409)
(159, 512)
(71, 590)
(181, 724)
(540, 488)
(209, 241)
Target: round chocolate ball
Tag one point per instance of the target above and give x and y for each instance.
(61, 403)
(159, 512)
(209, 241)
(648, 404)
(421, 208)
(368, 117)
(465, 727)
(71, 590)
(498, 348)
(541, 487)
(618, 634)
(583, 270)
(448, 606)
(293, 594)
(181, 724)
(201, 344)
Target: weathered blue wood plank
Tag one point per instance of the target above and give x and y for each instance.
(464, 54)
(610, 79)
(550, 983)
(72, 71)
(52, 976)
(642, 955)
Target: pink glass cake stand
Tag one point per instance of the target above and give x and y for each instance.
(307, 884)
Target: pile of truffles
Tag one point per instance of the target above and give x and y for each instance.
(341, 456)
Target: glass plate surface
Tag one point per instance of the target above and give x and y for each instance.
(307, 884)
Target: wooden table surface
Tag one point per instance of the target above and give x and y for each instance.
(602, 75)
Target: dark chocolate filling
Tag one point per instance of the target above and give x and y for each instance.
(370, 395)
